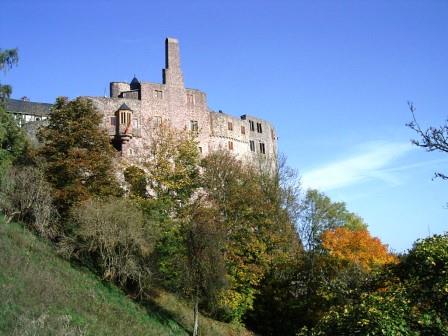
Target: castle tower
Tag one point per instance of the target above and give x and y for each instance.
(172, 74)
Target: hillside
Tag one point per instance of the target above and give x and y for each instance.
(42, 294)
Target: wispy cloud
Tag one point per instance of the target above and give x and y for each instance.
(372, 161)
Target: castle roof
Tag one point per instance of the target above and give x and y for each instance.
(135, 81)
(27, 107)
(124, 107)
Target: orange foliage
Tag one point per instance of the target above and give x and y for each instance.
(357, 246)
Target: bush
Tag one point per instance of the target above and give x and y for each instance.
(113, 237)
(25, 196)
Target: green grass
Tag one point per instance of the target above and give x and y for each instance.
(42, 294)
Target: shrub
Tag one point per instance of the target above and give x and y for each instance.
(112, 235)
(25, 196)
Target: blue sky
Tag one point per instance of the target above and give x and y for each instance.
(333, 76)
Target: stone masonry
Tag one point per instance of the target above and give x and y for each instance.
(135, 109)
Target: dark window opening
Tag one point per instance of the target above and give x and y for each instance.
(252, 145)
(194, 126)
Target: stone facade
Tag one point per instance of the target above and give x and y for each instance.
(135, 109)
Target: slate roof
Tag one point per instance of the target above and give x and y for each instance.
(28, 107)
(124, 107)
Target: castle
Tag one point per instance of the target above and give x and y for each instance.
(134, 110)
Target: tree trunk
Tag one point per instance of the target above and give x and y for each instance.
(196, 316)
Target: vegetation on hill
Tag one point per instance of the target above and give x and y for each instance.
(42, 294)
(181, 234)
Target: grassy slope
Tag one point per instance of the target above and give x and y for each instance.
(42, 294)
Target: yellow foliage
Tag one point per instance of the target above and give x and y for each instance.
(357, 246)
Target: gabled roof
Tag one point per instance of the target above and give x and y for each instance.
(27, 107)
(124, 107)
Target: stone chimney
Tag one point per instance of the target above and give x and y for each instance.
(172, 74)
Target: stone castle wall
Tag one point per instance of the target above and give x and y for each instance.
(150, 104)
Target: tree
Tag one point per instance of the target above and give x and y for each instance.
(12, 139)
(136, 177)
(8, 58)
(299, 289)
(257, 228)
(431, 139)
(319, 213)
(77, 152)
(409, 298)
(173, 165)
(205, 269)
(356, 246)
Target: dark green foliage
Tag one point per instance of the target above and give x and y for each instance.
(77, 153)
(12, 140)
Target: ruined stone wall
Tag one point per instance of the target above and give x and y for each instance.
(185, 109)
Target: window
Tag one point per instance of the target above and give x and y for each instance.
(230, 126)
(243, 130)
(194, 126)
(259, 130)
(230, 145)
(190, 99)
(158, 94)
(262, 149)
(252, 125)
(252, 145)
(200, 149)
(125, 118)
(272, 134)
(113, 121)
(135, 123)
(156, 121)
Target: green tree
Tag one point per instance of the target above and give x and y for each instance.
(77, 152)
(8, 58)
(204, 267)
(12, 139)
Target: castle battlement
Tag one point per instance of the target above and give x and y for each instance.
(134, 108)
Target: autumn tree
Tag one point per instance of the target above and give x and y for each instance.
(408, 298)
(299, 290)
(77, 152)
(319, 213)
(137, 180)
(257, 228)
(173, 165)
(357, 247)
